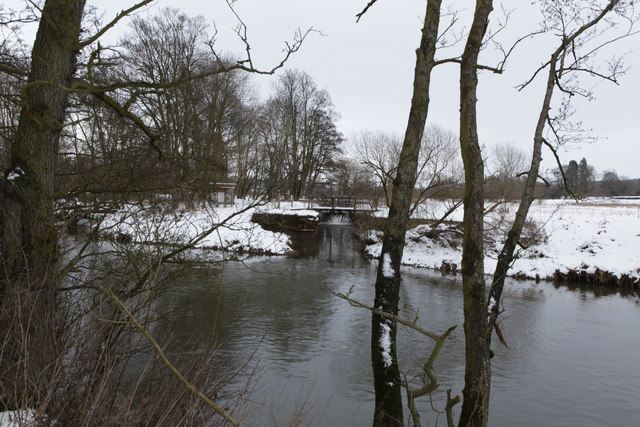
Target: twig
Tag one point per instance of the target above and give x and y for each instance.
(122, 14)
(366, 8)
(449, 408)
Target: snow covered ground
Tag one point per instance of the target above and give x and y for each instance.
(215, 227)
(592, 234)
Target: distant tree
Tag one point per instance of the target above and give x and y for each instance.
(163, 48)
(379, 153)
(572, 175)
(352, 179)
(610, 175)
(506, 165)
(611, 184)
(438, 163)
(302, 138)
(586, 175)
(246, 160)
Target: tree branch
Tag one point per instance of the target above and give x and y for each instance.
(366, 8)
(495, 70)
(111, 24)
(564, 177)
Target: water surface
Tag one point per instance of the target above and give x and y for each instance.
(572, 357)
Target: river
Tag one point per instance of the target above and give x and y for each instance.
(572, 359)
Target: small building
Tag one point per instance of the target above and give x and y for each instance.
(224, 193)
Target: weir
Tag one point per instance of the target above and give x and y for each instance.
(335, 218)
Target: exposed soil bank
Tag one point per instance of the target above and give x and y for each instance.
(599, 277)
(363, 222)
(285, 223)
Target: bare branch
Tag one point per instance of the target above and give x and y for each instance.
(520, 87)
(366, 8)
(564, 177)
(412, 324)
(429, 380)
(449, 407)
(113, 22)
(459, 61)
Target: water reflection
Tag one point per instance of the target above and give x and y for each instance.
(571, 360)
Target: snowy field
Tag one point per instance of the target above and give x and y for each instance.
(591, 234)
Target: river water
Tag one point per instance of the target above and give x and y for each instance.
(572, 359)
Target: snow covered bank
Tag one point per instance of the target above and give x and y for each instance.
(211, 227)
(568, 239)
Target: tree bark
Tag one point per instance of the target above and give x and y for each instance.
(29, 239)
(475, 407)
(388, 398)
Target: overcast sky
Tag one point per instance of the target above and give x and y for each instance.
(367, 68)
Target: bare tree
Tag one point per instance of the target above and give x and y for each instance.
(611, 184)
(582, 33)
(386, 374)
(506, 165)
(477, 377)
(437, 162)
(305, 132)
(438, 167)
(378, 152)
(576, 27)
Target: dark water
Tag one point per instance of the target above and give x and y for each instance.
(573, 357)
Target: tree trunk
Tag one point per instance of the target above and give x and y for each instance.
(505, 258)
(388, 398)
(475, 408)
(29, 238)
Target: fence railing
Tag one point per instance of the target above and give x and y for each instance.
(343, 203)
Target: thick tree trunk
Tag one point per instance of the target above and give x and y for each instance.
(29, 239)
(388, 398)
(475, 407)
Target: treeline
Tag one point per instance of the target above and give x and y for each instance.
(177, 118)
(580, 179)
(174, 117)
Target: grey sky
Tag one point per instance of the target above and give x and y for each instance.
(367, 68)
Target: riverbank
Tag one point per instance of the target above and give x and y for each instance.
(227, 228)
(593, 241)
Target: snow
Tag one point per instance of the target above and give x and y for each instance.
(15, 174)
(387, 269)
(385, 344)
(492, 303)
(233, 231)
(281, 211)
(590, 235)
(17, 418)
(594, 234)
(292, 207)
